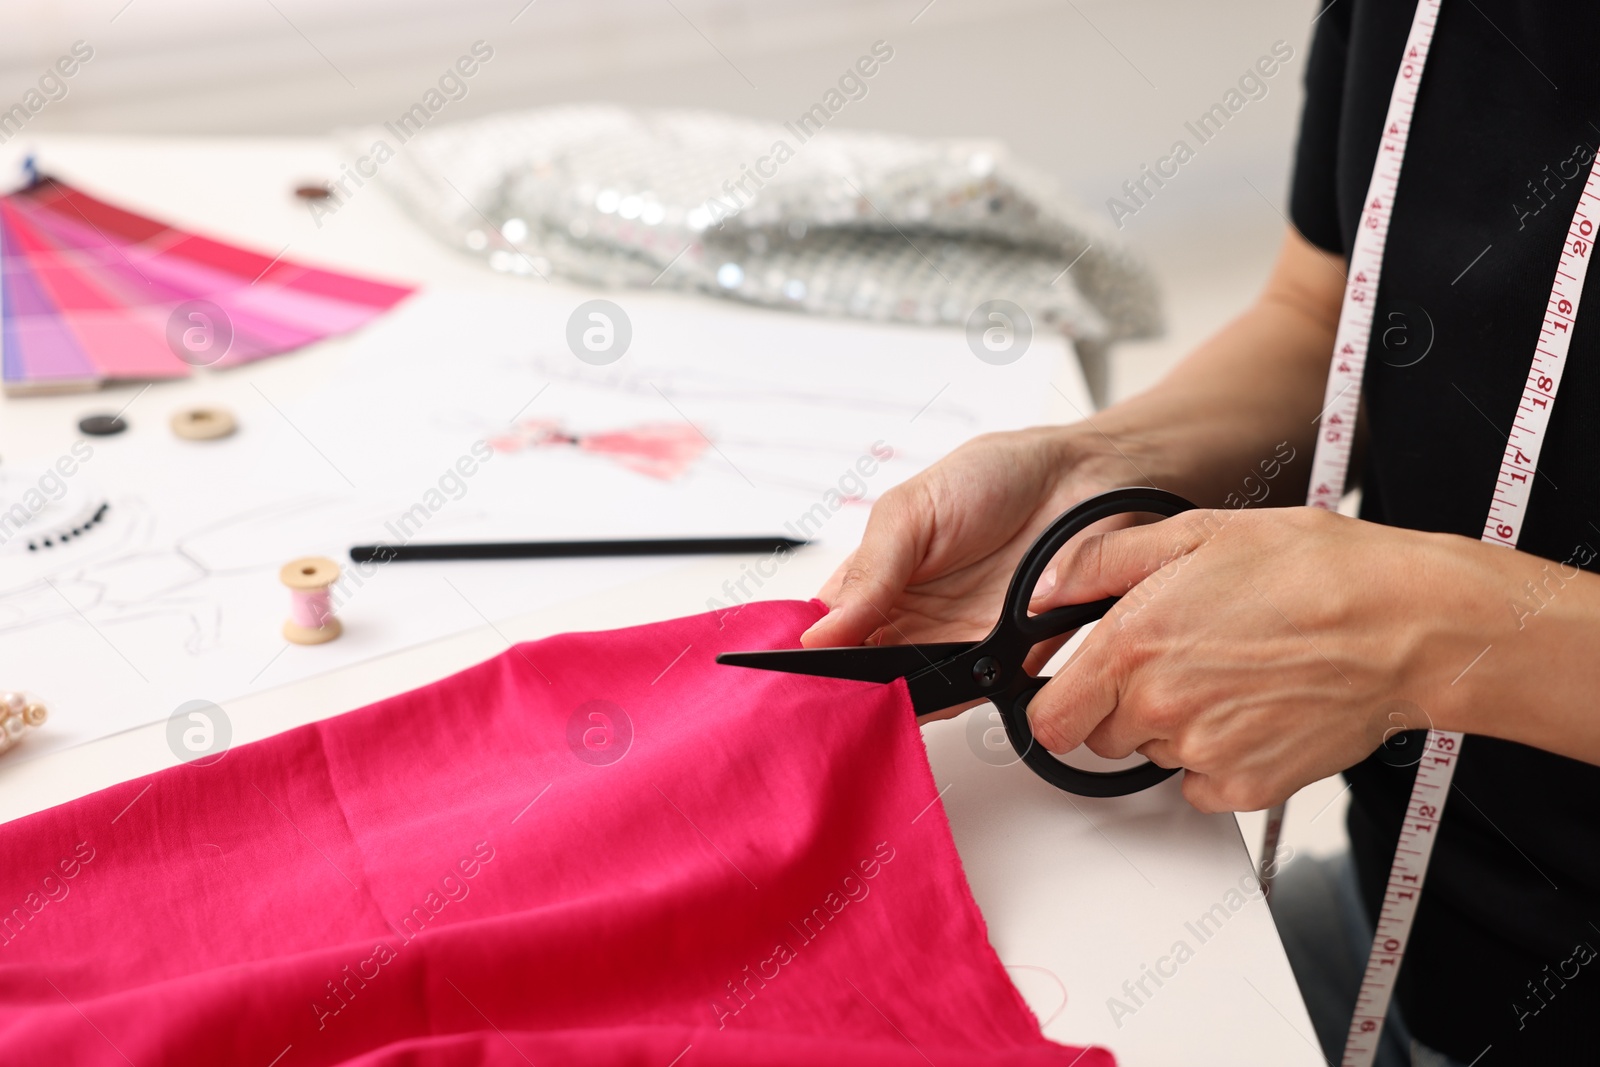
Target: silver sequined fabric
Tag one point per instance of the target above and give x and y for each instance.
(835, 222)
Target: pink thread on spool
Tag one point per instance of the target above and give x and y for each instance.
(311, 620)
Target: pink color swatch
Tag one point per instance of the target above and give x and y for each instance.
(90, 291)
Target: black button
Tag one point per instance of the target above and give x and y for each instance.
(102, 425)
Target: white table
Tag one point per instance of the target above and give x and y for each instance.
(1081, 895)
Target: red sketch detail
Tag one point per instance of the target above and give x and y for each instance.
(663, 450)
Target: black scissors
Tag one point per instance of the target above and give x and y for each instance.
(944, 674)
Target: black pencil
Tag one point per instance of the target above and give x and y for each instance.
(658, 546)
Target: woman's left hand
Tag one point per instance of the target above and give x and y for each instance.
(1263, 650)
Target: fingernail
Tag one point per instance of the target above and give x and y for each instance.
(831, 613)
(1046, 585)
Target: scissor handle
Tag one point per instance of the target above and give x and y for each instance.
(1014, 615)
(1075, 780)
(1073, 521)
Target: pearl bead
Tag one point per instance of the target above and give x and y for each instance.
(13, 701)
(35, 714)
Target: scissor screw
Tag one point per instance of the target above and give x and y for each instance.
(986, 671)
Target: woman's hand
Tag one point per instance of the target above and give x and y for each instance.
(1263, 650)
(940, 549)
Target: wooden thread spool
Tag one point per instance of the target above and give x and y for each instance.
(311, 620)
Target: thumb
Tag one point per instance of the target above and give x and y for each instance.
(1098, 565)
(866, 587)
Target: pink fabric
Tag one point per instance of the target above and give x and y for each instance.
(458, 876)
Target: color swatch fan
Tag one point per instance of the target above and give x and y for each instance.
(92, 293)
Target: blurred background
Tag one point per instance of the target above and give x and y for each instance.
(1087, 90)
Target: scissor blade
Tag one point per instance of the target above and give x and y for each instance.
(868, 663)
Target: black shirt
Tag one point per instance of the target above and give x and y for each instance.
(1503, 953)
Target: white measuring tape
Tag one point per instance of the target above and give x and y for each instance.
(1503, 526)
(1341, 400)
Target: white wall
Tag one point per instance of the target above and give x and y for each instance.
(1046, 76)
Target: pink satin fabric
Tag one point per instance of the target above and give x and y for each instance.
(469, 874)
